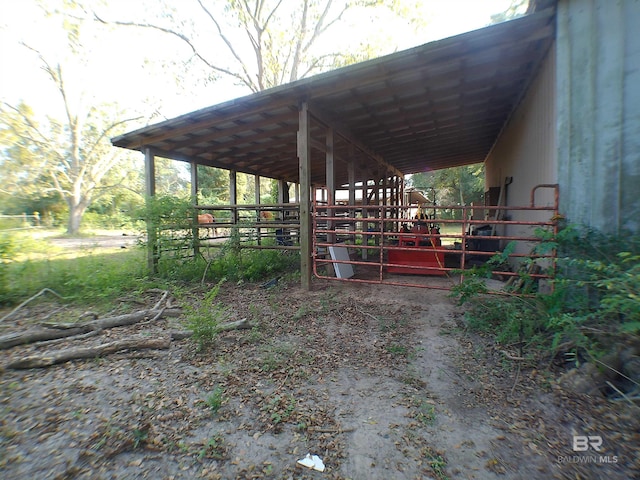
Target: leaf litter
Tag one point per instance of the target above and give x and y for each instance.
(378, 382)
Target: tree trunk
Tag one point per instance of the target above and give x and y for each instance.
(43, 334)
(140, 342)
(135, 343)
(76, 211)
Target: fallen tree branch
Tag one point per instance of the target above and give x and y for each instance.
(135, 343)
(82, 336)
(243, 324)
(621, 393)
(515, 358)
(165, 294)
(54, 331)
(41, 292)
(331, 430)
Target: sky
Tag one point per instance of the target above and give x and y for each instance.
(130, 63)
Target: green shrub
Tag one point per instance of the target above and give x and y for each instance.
(594, 304)
(203, 319)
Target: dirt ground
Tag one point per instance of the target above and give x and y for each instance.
(380, 382)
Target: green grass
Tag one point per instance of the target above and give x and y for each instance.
(29, 262)
(83, 276)
(215, 398)
(94, 277)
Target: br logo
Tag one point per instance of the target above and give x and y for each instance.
(583, 443)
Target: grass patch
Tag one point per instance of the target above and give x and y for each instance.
(396, 349)
(82, 277)
(425, 411)
(276, 356)
(215, 448)
(215, 398)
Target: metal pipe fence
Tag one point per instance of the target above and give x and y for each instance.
(383, 244)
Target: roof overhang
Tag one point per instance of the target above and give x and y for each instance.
(435, 106)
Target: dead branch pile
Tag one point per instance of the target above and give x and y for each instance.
(48, 333)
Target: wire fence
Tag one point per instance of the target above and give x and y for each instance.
(24, 221)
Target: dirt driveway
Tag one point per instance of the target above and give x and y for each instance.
(379, 382)
(101, 239)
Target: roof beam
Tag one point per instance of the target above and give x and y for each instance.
(342, 130)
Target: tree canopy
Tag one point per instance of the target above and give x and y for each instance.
(62, 150)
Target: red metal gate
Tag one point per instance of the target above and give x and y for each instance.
(433, 247)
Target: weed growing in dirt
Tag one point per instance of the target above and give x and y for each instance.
(203, 319)
(425, 411)
(215, 398)
(281, 408)
(139, 437)
(396, 349)
(437, 463)
(215, 448)
(254, 335)
(275, 356)
(302, 312)
(391, 324)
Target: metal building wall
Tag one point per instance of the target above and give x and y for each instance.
(598, 82)
(526, 149)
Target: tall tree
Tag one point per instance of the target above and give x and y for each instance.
(67, 151)
(71, 157)
(25, 186)
(256, 43)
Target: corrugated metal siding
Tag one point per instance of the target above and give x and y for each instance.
(526, 149)
(598, 69)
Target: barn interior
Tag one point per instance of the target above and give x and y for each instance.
(340, 145)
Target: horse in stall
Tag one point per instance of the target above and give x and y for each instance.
(207, 219)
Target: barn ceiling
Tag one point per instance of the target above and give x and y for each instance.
(435, 106)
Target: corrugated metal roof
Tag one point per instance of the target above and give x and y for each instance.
(438, 105)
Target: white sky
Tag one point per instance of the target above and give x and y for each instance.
(122, 75)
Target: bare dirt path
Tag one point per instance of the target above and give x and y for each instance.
(379, 382)
(101, 239)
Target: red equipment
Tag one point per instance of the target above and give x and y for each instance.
(422, 257)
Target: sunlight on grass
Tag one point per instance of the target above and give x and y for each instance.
(84, 274)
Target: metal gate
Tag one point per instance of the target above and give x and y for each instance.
(432, 246)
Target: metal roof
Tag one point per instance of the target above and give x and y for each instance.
(434, 106)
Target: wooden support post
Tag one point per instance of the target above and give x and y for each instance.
(233, 196)
(304, 162)
(386, 200)
(365, 215)
(330, 180)
(195, 231)
(351, 173)
(150, 192)
(258, 210)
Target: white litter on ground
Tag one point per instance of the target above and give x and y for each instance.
(312, 461)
